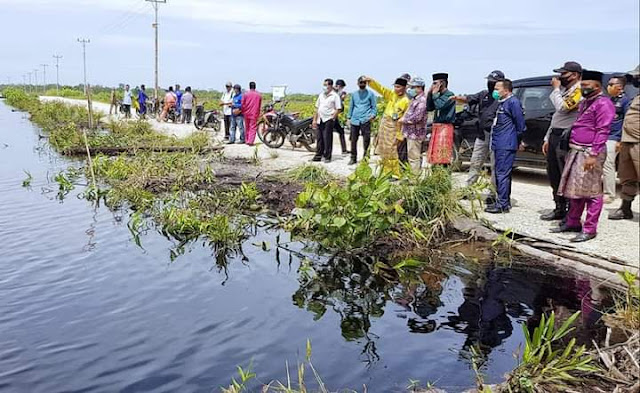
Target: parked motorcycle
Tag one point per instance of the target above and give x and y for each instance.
(287, 127)
(206, 119)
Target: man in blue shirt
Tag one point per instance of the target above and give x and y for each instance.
(615, 88)
(506, 135)
(237, 118)
(362, 111)
(179, 100)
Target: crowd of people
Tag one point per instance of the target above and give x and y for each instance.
(589, 131)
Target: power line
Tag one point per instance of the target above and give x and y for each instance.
(57, 57)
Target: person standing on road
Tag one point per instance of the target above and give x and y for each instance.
(226, 101)
(414, 123)
(142, 102)
(337, 127)
(565, 97)
(439, 100)
(390, 131)
(188, 101)
(362, 111)
(621, 102)
(178, 93)
(237, 119)
(328, 107)
(487, 107)
(581, 180)
(506, 136)
(629, 154)
(126, 102)
(251, 106)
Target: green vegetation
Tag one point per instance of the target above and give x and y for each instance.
(546, 364)
(309, 173)
(626, 313)
(66, 125)
(370, 208)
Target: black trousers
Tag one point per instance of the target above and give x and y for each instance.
(364, 130)
(324, 145)
(556, 157)
(227, 124)
(186, 115)
(127, 110)
(403, 154)
(340, 130)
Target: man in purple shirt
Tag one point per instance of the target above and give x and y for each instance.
(582, 176)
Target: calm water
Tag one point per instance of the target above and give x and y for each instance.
(83, 309)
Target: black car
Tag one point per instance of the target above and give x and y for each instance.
(533, 93)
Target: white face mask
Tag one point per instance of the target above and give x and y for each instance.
(326, 88)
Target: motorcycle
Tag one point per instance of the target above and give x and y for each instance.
(206, 119)
(287, 126)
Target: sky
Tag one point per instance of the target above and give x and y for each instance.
(298, 43)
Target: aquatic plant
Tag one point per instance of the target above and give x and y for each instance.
(240, 385)
(369, 208)
(545, 364)
(27, 181)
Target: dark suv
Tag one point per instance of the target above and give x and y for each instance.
(533, 93)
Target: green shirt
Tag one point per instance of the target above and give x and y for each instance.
(443, 105)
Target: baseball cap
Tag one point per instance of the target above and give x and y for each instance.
(362, 78)
(340, 82)
(229, 84)
(417, 81)
(570, 66)
(495, 76)
(237, 86)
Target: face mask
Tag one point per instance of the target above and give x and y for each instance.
(564, 81)
(495, 95)
(491, 86)
(325, 88)
(412, 93)
(587, 91)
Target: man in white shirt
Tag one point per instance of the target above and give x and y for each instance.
(188, 101)
(126, 102)
(328, 107)
(225, 101)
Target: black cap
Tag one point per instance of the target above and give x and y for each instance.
(237, 86)
(570, 66)
(340, 82)
(440, 75)
(495, 76)
(401, 82)
(589, 75)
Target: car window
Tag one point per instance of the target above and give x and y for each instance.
(535, 98)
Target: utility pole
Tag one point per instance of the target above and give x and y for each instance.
(44, 77)
(35, 73)
(155, 26)
(87, 91)
(57, 57)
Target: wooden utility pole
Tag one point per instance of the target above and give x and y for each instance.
(87, 91)
(155, 26)
(57, 57)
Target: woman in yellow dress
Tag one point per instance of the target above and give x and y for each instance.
(390, 131)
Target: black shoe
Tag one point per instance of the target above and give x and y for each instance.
(490, 201)
(623, 213)
(493, 209)
(229, 143)
(345, 152)
(564, 228)
(352, 161)
(316, 159)
(327, 160)
(554, 215)
(583, 237)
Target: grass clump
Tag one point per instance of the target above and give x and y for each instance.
(369, 207)
(309, 173)
(546, 365)
(626, 313)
